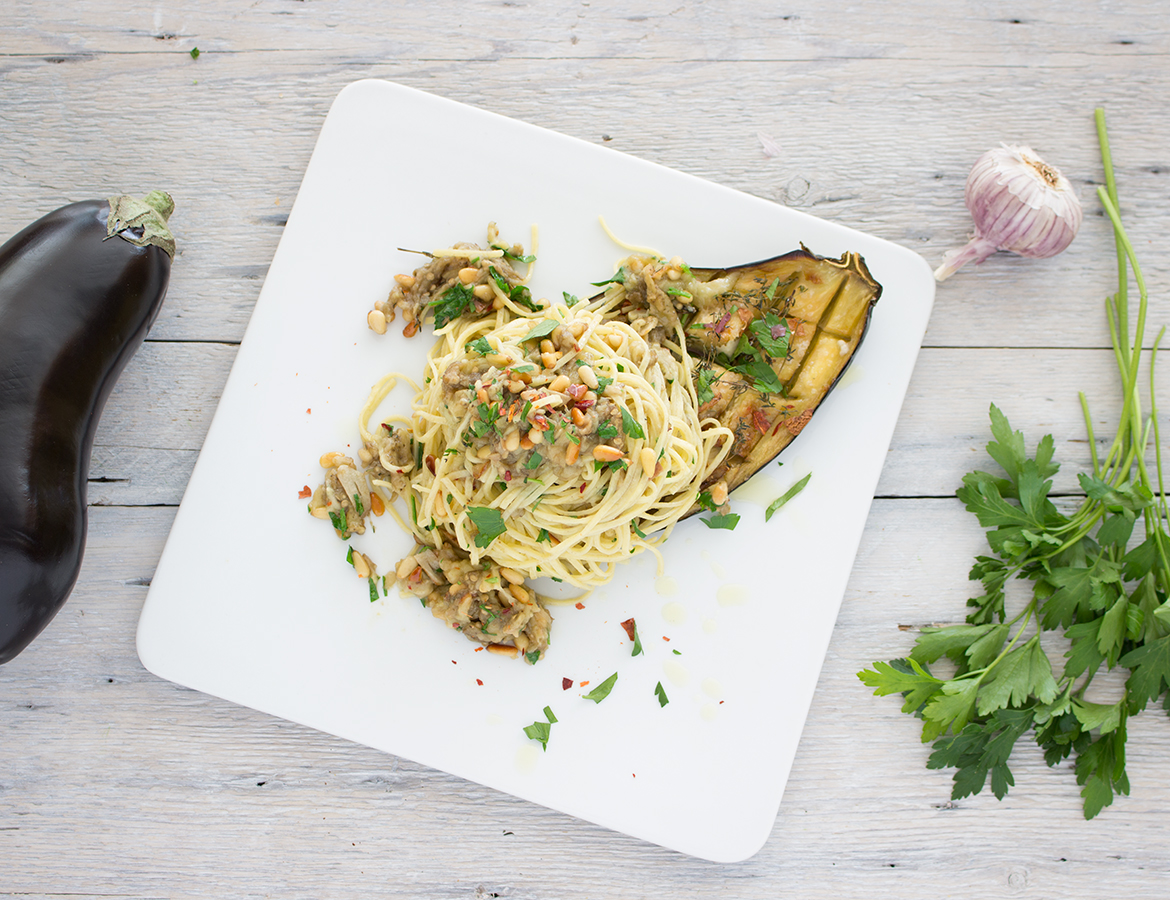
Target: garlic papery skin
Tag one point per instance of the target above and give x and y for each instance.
(1019, 203)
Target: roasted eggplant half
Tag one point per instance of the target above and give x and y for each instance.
(770, 339)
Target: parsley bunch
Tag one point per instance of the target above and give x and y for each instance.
(1096, 578)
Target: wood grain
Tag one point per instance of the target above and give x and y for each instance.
(114, 783)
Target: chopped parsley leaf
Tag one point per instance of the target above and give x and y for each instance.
(603, 383)
(638, 531)
(339, 520)
(728, 521)
(349, 556)
(452, 303)
(761, 375)
(772, 334)
(489, 524)
(660, 694)
(480, 345)
(373, 589)
(786, 496)
(600, 692)
(543, 537)
(637, 651)
(629, 426)
(517, 293)
(570, 299)
(534, 461)
(533, 657)
(619, 277)
(704, 378)
(706, 502)
(606, 431)
(508, 254)
(357, 504)
(539, 731)
(543, 329)
(678, 292)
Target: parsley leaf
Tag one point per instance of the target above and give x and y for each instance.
(452, 303)
(489, 524)
(660, 694)
(727, 521)
(540, 731)
(786, 496)
(619, 277)
(630, 426)
(543, 329)
(606, 430)
(480, 345)
(600, 692)
(772, 334)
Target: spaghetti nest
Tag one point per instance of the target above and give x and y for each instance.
(549, 445)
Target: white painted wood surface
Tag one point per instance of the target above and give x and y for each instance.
(114, 783)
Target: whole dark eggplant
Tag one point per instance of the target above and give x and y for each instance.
(79, 289)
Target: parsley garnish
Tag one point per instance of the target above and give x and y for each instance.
(1105, 596)
(357, 504)
(508, 254)
(727, 521)
(786, 496)
(631, 427)
(600, 692)
(539, 731)
(637, 651)
(638, 531)
(452, 303)
(340, 520)
(480, 345)
(543, 329)
(489, 523)
(772, 334)
(660, 694)
(543, 537)
(606, 430)
(706, 502)
(570, 299)
(533, 657)
(619, 277)
(602, 383)
(704, 379)
(349, 556)
(534, 461)
(373, 589)
(517, 293)
(761, 375)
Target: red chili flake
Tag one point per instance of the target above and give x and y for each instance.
(430, 461)
(477, 649)
(628, 625)
(583, 684)
(665, 638)
(582, 490)
(576, 391)
(309, 410)
(721, 325)
(579, 605)
(454, 663)
(720, 702)
(507, 475)
(566, 683)
(305, 492)
(479, 681)
(760, 418)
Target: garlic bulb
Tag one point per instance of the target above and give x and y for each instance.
(1019, 203)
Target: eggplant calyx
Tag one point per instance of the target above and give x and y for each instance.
(142, 222)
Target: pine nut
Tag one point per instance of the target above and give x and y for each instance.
(536, 436)
(512, 441)
(548, 358)
(405, 567)
(321, 512)
(571, 453)
(518, 592)
(559, 383)
(485, 452)
(649, 460)
(365, 456)
(578, 417)
(377, 507)
(588, 376)
(483, 291)
(407, 281)
(719, 493)
(502, 650)
(376, 319)
(526, 443)
(511, 575)
(606, 453)
(468, 274)
(516, 386)
(577, 329)
(361, 566)
(614, 340)
(547, 346)
(481, 395)
(329, 460)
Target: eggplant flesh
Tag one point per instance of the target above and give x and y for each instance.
(769, 339)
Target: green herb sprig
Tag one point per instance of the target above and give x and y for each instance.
(1092, 580)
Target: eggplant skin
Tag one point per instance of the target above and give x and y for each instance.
(74, 307)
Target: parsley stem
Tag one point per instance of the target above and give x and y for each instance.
(1092, 439)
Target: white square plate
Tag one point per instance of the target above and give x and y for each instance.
(253, 600)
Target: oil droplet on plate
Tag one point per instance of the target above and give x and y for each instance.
(666, 586)
(494, 719)
(674, 613)
(719, 571)
(709, 711)
(676, 672)
(710, 626)
(526, 759)
(712, 688)
(732, 595)
(850, 375)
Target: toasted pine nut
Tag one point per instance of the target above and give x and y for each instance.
(502, 650)
(468, 274)
(719, 493)
(511, 575)
(526, 443)
(547, 346)
(588, 376)
(512, 441)
(365, 456)
(571, 453)
(376, 319)
(649, 460)
(329, 460)
(321, 512)
(578, 417)
(606, 453)
(525, 377)
(518, 592)
(614, 340)
(548, 358)
(407, 281)
(559, 383)
(673, 274)
(536, 436)
(481, 395)
(483, 291)
(515, 386)
(377, 507)
(485, 451)
(577, 329)
(361, 566)
(405, 567)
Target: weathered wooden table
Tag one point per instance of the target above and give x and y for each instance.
(115, 783)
